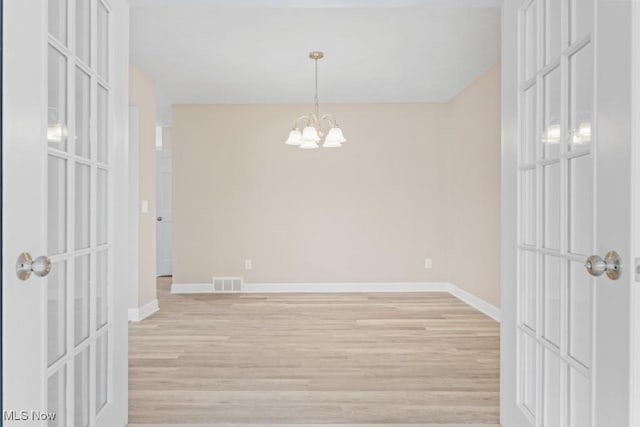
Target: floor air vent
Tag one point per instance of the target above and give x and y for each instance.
(227, 284)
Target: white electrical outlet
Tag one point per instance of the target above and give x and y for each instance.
(427, 263)
(248, 264)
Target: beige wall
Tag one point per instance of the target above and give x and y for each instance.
(371, 211)
(473, 188)
(142, 95)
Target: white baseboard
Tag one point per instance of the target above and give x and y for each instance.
(478, 303)
(268, 288)
(191, 288)
(138, 314)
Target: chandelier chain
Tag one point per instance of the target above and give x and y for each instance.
(317, 102)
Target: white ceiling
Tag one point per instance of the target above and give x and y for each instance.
(205, 51)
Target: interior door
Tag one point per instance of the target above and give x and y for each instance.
(164, 231)
(566, 196)
(63, 335)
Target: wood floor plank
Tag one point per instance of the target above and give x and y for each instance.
(340, 360)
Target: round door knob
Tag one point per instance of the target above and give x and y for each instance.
(25, 265)
(159, 219)
(611, 264)
(595, 265)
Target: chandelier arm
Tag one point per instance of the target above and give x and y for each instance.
(330, 119)
(295, 124)
(326, 118)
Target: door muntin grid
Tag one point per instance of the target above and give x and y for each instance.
(79, 293)
(555, 211)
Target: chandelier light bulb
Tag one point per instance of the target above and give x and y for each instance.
(309, 133)
(334, 138)
(295, 137)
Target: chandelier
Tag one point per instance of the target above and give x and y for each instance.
(312, 132)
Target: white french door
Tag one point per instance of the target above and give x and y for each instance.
(63, 336)
(566, 186)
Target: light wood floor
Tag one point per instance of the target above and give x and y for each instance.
(322, 359)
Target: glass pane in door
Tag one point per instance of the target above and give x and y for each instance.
(83, 30)
(529, 379)
(81, 298)
(528, 291)
(102, 371)
(528, 207)
(57, 100)
(103, 122)
(581, 205)
(58, 20)
(581, 98)
(552, 206)
(580, 313)
(530, 40)
(530, 125)
(102, 206)
(56, 312)
(552, 30)
(579, 399)
(83, 114)
(56, 398)
(81, 389)
(581, 18)
(102, 283)
(103, 41)
(57, 205)
(551, 309)
(552, 390)
(551, 131)
(83, 202)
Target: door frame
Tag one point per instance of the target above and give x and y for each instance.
(123, 253)
(133, 210)
(635, 215)
(1, 197)
(509, 215)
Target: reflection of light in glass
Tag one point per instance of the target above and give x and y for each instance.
(583, 134)
(56, 133)
(551, 135)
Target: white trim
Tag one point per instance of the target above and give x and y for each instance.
(320, 4)
(134, 212)
(337, 287)
(116, 413)
(478, 303)
(192, 288)
(634, 405)
(138, 314)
